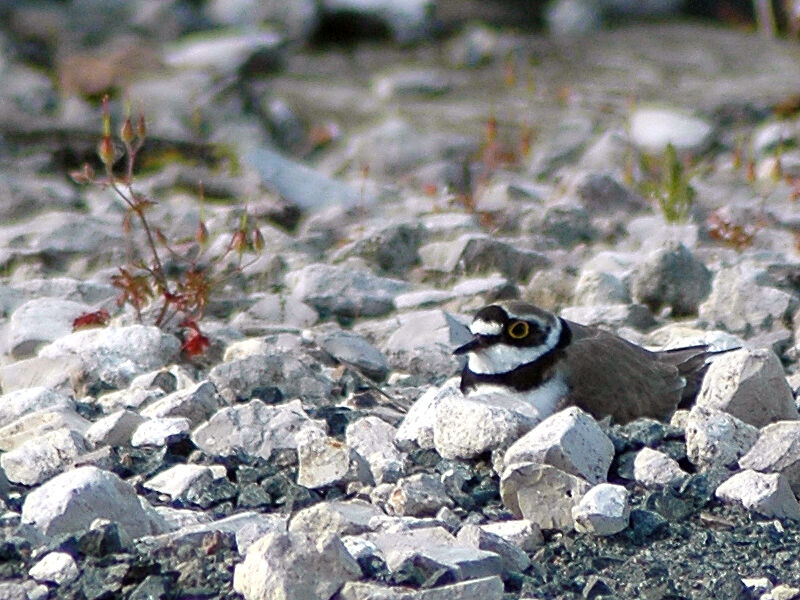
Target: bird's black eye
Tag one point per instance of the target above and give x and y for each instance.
(518, 330)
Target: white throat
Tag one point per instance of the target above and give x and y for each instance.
(502, 358)
(538, 403)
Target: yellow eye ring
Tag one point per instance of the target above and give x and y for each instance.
(518, 330)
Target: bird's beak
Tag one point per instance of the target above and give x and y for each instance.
(476, 343)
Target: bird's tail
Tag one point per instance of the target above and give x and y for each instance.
(692, 363)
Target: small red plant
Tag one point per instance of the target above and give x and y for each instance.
(144, 283)
(97, 318)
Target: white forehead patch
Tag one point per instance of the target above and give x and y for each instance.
(481, 327)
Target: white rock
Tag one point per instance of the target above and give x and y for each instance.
(520, 532)
(750, 385)
(32, 425)
(175, 480)
(39, 459)
(342, 518)
(768, 494)
(777, 450)
(256, 428)
(652, 468)
(197, 403)
(652, 128)
(373, 438)
(112, 356)
(603, 510)
(160, 431)
(417, 425)
(325, 461)
(570, 440)
(597, 287)
(716, 438)
(542, 494)
(513, 559)
(115, 429)
(21, 402)
(484, 588)
(71, 501)
(291, 566)
(467, 427)
(39, 321)
(419, 495)
(56, 567)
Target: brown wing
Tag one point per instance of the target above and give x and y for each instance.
(611, 376)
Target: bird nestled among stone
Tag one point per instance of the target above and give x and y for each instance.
(522, 351)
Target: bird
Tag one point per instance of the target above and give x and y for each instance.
(522, 351)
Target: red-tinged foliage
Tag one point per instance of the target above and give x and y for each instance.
(194, 342)
(97, 318)
(736, 235)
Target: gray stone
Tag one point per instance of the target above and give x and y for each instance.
(768, 494)
(422, 342)
(519, 532)
(565, 145)
(566, 223)
(177, 479)
(542, 494)
(418, 495)
(602, 194)
(344, 291)
(598, 288)
(114, 430)
(341, 518)
(71, 501)
(55, 567)
(325, 461)
(32, 425)
(613, 316)
(740, 304)
(395, 147)
(40, 458)
(14, 405)
(673, 277)
(225, 52)
(422, 299)
(417, 426)
(603, 510)
(570, 440)
(474, 253)
(391, 248)
(652, 468)
(293, 566)
(652, 128)
(54, 373)
(750, 385)
(715, 438)
(485, 588)
(434, 546)
(489, 286)
(131, 398)
(196, 404)
(112, 356)
(284, 371)
(39, 321)
(255, 428)
(373, 438)
(467, 427)
(160, 431)
(777, 450)
(514, 560)
(13, 591)
(352, 349)
(274, 312)
(651, 232)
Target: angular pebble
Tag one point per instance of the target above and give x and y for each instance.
(255, 428)
(603, 510)
(160, 431)
(485, 588)
(520, 532)
(419, 495)
(115, 429)
(327, 461)
(570, 440)
(542, 494)
(177, 479)
(55, 567)
(40, 321)
(777, 450)
(69, 503)
(32, 425)
(716, 438)
(352, 349)
(768, 494)
(342, 518)
(373, 438)
(652, 468)
(512, 557)
(422, 341)
(750, 385)
(292, 566)
(21, 402)
(112, 356)
(40, 458)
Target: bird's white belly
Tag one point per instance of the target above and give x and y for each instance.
(541, 401)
